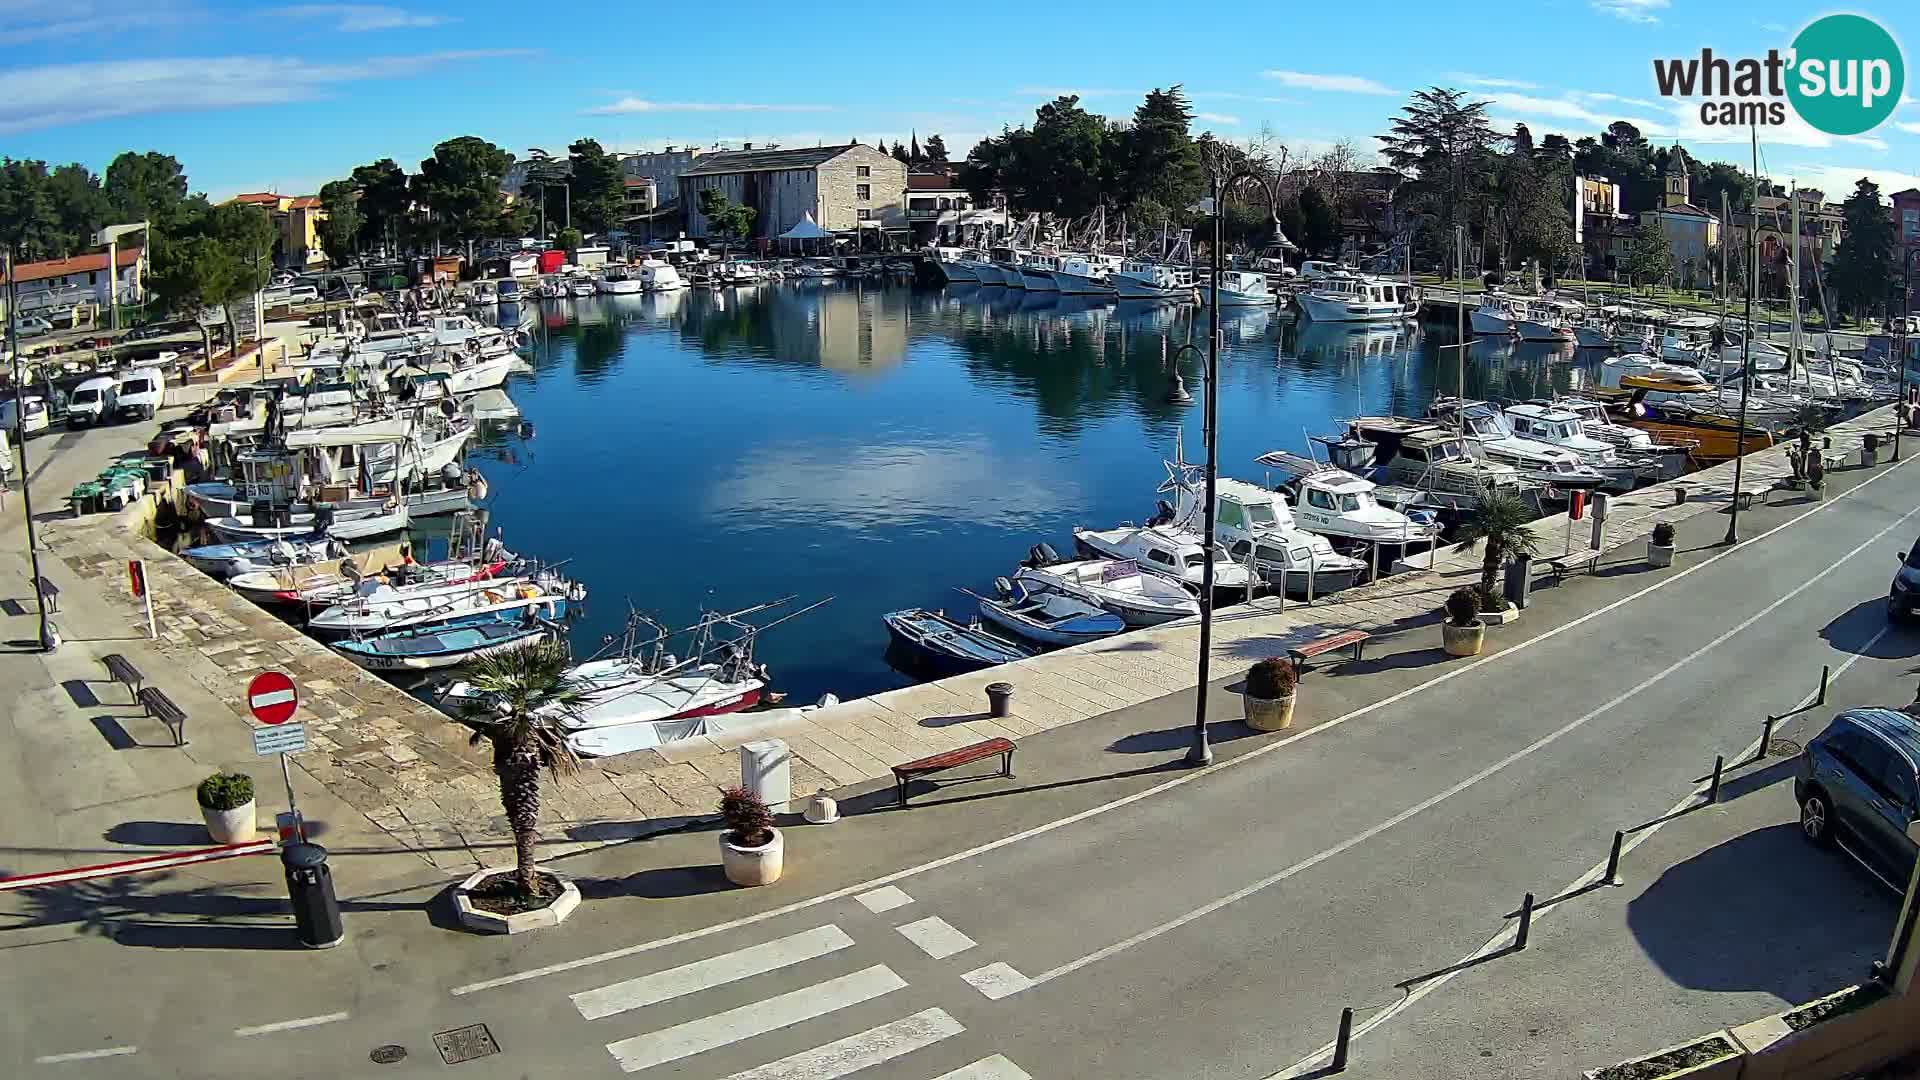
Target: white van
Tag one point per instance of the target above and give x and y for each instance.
(93, 402)
(36, 415)
(139, 393)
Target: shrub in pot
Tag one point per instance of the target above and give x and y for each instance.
(226, 805)
(751, 850)
(1463, 633)
(1660, 545)
(1269, 694)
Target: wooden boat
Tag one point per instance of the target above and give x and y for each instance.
(430, 648)
(943, 646)
(320, 587)
(1048, 617)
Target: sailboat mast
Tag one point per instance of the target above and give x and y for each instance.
(1793, 289)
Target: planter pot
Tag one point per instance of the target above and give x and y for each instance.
(752, 865)
(1269, 714)
(1726, 1065)
(1463, 640)
(1659, 554)
(1818, 494)
(519, 922)
(235, 826)
(1501, 618)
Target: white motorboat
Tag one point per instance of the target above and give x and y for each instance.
(1544, 319)
(1426, 464)
(952, 264)
(1086, 275)
(1495, 316)
(379, 608)
(979, 266)
(616, 281)
(1259, 530)
(1487, 427)
(1010, 260)
(1172, 551)
(1239, 288)
(1766, 357)
(1112, 585)
(1687, 339)
(1635, 330)
(1657, 461)
(1593, 331)
(1343, 297)
(1048, 617)
(1142, 280)
(1036, 272)
(320, 588)
(360, 523)
(1562, 428)
(226, 560)
(657, 276)
(1341, 506)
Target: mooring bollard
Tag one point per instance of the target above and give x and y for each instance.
(1826, 676)
(1526, 923)
(1713, 790)
(1766, 737)
(1613, 859)
(1339, 1063)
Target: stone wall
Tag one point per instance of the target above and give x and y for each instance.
(840, 181)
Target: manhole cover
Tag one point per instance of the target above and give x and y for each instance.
(388, 1054)
(1783, 748)
(465, 1044)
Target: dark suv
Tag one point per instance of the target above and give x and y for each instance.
(1857, 785)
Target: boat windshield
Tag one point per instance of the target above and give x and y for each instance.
(1261, 514)
(1565, 429)
(1445, 451)
(1196, 559)
(1350, 502)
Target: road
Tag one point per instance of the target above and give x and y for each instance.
(1138, 921)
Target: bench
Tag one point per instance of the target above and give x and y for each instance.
(953, 759)
(1562, 565)
(49, 593)
(161, 708)
(1832, 460)
(122, 671)
(1744, 498)
(1352, 640)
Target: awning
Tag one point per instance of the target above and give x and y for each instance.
(805, 230)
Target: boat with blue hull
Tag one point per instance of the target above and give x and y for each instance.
(940, 646)
(1048, 617)
(432, 648)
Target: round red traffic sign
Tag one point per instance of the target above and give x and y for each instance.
(272, 697)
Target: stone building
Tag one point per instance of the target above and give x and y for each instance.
(843, 188)
(1693, 234)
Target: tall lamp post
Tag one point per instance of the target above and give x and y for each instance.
(1900, 416)
(49, 635)
(1746, 350)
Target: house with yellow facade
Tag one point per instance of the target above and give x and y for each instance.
(1693, 234)
(297, 218)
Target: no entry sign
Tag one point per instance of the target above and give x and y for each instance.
(272, 697)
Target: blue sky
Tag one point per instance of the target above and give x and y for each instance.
(255, 96)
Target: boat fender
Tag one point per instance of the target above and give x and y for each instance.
(827, 701)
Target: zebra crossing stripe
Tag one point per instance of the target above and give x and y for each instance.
(987, 1068)
(856, 1052)
(936, 937)
(757, 1018)
(714, 971)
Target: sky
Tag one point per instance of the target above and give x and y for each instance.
(261, 96)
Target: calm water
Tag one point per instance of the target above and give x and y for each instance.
(883, 444)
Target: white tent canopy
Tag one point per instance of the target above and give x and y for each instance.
(805, 229)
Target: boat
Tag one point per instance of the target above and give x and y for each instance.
(365, 523)
(1635, 330)
(1036, 272)
(1086, 275)
(1418, 463)
(1687, 339)
(1593, 329)
(616, 281)
(657, 276)
(1259, 531)
(433, 648)
(318, 587)
(952, 265)
(940, 645)
(1114, 585)
(1657, 461)
(1048, 617)
(1545, 319)
(227, 559)
(1495, 316)
(1139, 279)
(1009, 259)
(1238, 288)
(1170, 550)
(388, 607)
(1341, 506)
(1564, 429)
(1346, 297)
(1486, 426)
(979, 265)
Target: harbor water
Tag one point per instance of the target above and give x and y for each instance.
(885, 444)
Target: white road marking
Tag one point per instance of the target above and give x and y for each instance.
(714, 971)
(756, 1018)
(856, 1052)
(936, 937)
(997, 981)
(86, 1055)
(1162, 788)
(885, 899)
(290, 1025)
(987, 1068)
(1505, 937)
(1497, 767)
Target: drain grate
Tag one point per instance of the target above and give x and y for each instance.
(388, 1054)
(465, 1044)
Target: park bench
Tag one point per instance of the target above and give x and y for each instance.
(1562, 565)
(1744, 498)
(1355, 641)
(49, 593)
(953, 759)
(122, 671)
(161, 707)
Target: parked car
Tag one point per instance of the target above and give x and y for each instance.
(1903, 596)
(162, 329)
(32, 420)
(140, 393)
(1858, 787)
(32, 326)
(93, 402)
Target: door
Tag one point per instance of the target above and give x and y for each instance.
(1894, 813)
(1862, 801)
(1318, 509)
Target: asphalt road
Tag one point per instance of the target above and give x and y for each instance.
(1129, 920)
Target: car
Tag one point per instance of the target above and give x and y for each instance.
(1903, 596)
(32, 326)
(1858, 787)
(160, 329)
(93, 402)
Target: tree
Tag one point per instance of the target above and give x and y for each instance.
(1501, 522)
(1522, 142)
(1652, 258)
(597, 187)
(26, 209)
(246, 237)
(80, 206)
(460, 187)
(1863, 266)
(900, 153)
(568, 240)
(936, 149)
(1554, 147)
(1061, 166)
(146, 187)
(726, 217)
(1157, 157)
(1319, 227)
(914, 156)
(341, 230)
(192, 273)
(1443, 140)
(522, 697)
(1720, 178)
(384, 204)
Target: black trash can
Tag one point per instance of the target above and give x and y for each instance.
(316, 914)
(999, 699)
(1519, 583)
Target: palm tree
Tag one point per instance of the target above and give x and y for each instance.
(1502, 523)
(522, 696)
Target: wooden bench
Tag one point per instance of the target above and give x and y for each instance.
(1562, 565)
(1744, 499)
(49, 593)
(122, 671)
(161, 707)
(953, 759)
(1353, 640)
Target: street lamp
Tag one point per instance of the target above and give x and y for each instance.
(1900, 418)
(49, 635)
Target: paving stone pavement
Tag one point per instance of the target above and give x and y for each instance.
(410, 771)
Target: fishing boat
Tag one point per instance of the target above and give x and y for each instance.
(388, 607)
(1635, 330)
(433, 648)
(359, 524)
(1343, 297)
(1238, 288)
(1086, 275)
(1115, 585)
(1045, 616)
(225, 560)
(1495, 316)
(1141, 280)
(939, 645)
(1545, 319)
(1170, 550)
(1341, 506)
(1036, 272)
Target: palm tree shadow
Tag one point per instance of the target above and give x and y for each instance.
(661, 883)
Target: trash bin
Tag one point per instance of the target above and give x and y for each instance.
(1869, 449)
(999, 699)
(1519, 583)
(316, 914)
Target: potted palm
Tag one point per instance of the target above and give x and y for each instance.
(1660, 545)
(1463, 633)
(522, 697)
(1269, 694)
(1501, 525)
(751, 850)
(226, 805)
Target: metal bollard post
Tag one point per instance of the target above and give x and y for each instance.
(1766, 738)
(1526, 923)
(1613, 860)
(1339, 1063)
(1312, 561)
(1713, 791)
(1826, 676)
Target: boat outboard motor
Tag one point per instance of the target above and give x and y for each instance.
(261, 511)
(453, 474)
(1040, 555)
(1162, 513)
(1003, 587)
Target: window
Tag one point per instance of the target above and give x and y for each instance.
(1319, 500)
(1156, 555)
(1910, 225)
(865, 214)
(1350, 503)
(863, 192)
(93, 277)
(1230, 515)
(1860, 752)
(863, 170)
(1896, 780)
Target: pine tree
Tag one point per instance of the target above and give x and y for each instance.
(1863, 265)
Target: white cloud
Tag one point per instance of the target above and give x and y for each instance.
(1341, 84)
(43, 20)
(1640, 11)
(641, 105)
(1491, 81)
(1228, 95)
(1594, 95)
(1837, 181)
(1871, 142)
(1210, 118)
(358, 18)
(1051, 92)
(58, 94)
(1563, 109)
(1908, 126)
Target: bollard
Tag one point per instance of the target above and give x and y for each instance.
(1713, 790)
(1826, 676)
(1526, 923)
(1312, 561)
(1766, 738)
(1340, 1044)
(1613, 860)
(999, 700)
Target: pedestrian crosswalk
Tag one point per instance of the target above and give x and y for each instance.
(648, 1001)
